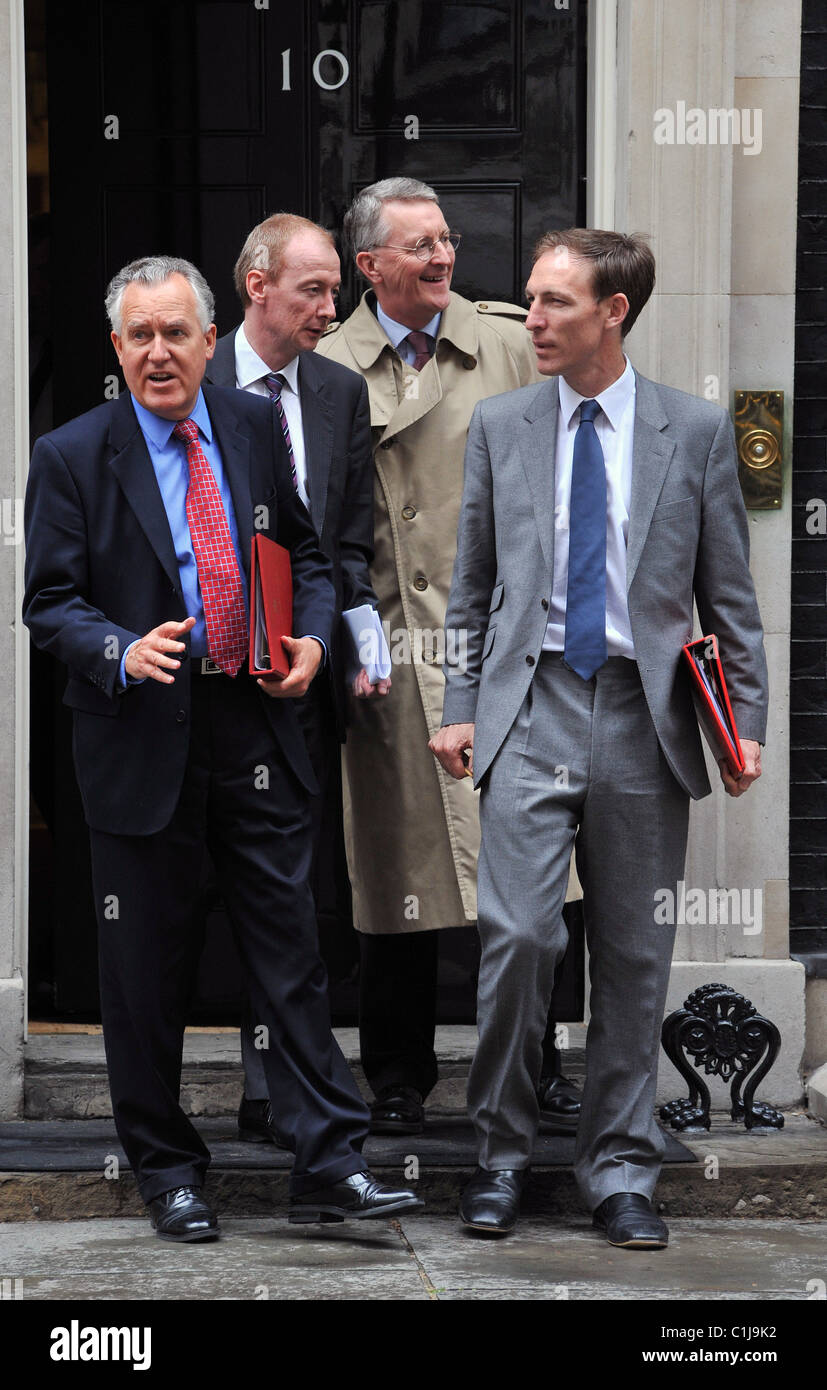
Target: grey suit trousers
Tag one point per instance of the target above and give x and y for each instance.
(580, 765)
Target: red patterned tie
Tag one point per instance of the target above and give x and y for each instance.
(421, 344)
(219, 578)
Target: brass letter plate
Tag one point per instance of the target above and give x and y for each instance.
(759, 426)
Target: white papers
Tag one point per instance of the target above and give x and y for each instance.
(369, 647)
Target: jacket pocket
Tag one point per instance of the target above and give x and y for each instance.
(489, 642)
(496, 598)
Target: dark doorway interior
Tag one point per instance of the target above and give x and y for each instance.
(172, 127)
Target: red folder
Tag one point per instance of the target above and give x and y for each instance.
(712, 702)
(271, 608)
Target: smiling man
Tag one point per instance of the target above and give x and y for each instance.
(139, 518)
(287, 279)
(596, 507)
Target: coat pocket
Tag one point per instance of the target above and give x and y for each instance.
(489, 642)
(496, 598)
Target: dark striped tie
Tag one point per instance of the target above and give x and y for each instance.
(274, 383)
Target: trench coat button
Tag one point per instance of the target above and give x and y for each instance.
(180, 716)
(544, 604)
(429, 656)
(387, 443)
(482, 306)
(420, 582)
(409, 513)
(530, 661)
(469, 363)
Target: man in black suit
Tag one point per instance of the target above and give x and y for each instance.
(139, 517)
(287, 278)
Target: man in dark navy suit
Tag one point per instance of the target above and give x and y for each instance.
(287, 278)
(139, 518)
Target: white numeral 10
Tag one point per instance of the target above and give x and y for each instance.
(317, 69)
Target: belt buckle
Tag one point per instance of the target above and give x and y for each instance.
(210, 667)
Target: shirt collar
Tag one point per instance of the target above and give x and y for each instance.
(159, 430)
(249, 367)
(397, 332)
(613, 401)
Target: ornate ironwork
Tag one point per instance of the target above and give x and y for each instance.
(723, 1033)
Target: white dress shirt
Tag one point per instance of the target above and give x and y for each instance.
(250, 371)
(398, 333)
(615, 427)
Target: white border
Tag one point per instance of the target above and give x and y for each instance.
(20, 305)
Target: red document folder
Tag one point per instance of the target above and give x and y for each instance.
(712, 702)
(271, 608)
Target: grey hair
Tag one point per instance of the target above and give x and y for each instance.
(154, 270)
(364, 225)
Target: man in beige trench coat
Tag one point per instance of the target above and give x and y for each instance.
(428, 356)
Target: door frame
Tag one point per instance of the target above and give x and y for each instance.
(600, 195)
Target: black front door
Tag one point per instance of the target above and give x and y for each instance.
(174, 127)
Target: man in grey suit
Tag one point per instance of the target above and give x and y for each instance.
(596, 506)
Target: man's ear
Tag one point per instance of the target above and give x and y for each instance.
(366, 263)
(116, 343)
(209, 339)
(618, 309)
(255, 283)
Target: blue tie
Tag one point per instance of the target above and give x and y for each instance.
(585, 649)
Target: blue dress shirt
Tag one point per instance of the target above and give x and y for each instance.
(397, 332)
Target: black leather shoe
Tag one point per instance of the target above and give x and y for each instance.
(491, 1201)
(397, 1110)
(560, 1101)
(182, 1214)
(358, 1198)
(628, 1220)
(256, 1124)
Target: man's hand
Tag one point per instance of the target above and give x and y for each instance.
(736, 786)
(152, 655)
(305, 657)
(363, 690)
(448, 746)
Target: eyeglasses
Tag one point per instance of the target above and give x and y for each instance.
(424, 248)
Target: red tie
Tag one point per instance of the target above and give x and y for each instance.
(421, 344)
(219, 578)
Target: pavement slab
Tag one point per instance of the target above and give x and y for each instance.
(423, 1258)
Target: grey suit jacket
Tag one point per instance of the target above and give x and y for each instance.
(688, 539)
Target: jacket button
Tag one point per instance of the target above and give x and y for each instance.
(469, 363)
(429, 656)
(529, 661)
(409, 513)
(387, 443)
(180, 716)
(420, 582)
(483, 306)
(544, 604)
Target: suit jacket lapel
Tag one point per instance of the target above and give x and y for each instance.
(221, 367)
(651, 456)
(538, 450)
(317, 426)
(132, 467)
